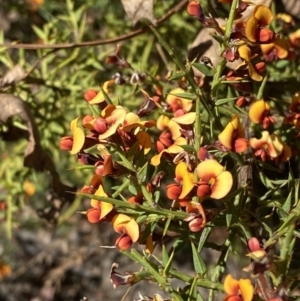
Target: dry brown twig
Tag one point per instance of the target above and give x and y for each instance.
(124, 37)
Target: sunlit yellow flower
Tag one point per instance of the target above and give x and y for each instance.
(268, 146)
(99, 97)
(245, 54)
(214, 181)
(259, 112)
(233, 136)
(255, 30)
(99, 209)
(177, 103)
(279, 49)
(185, 119)
(172, 150)
(76, 142)
(129, 229)
(185, 182)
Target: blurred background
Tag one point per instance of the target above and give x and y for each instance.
(48, 251)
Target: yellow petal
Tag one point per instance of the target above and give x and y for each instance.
(278, 145)
(231, 285)
(184, 103)
(78, 141)
(118, 115)
(110, 131)
(131, 118)
(99, 192)
(209, 168)
(257, 110)
(222, 185)
(187, 118)
(155, 160)
(250, 29)
(263, 14)
(266, 48)
(253, 73)
(174, 149)
(120, 219)
(162, 122)
(107, 111)
(246, 289)
(174, 129)
(187, 184)
(256, 143)
(132, 229)
(282, 48)
(74, 125)
(105, 209)
(226, 136)
(245, 52)
(181, 169)
(100, 96)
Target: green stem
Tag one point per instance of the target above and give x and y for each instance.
(188, 76)
(121, 188)
(135, 207)
(221, 264)
(222, 61)
(262, 88)
(286, 249)
(150, 267)
(192, 289)
(205, 283)
(197, 128)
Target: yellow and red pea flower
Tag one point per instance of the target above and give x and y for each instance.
(255, 30)
(73, 143)
(94, 97)
(99, 209)
(233, 136)
(185, 181)
(196, 218)
(268, 146)
(129, 229)
(254, 70)
(279, 49)
(238, 290)
(259, 112)
(215, 181)
(175, 103)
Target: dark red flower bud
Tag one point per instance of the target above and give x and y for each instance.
(253, 244)
(194, 9)
(90, 94)
(66, 143)
(123, 242)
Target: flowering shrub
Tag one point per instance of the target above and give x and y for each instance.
(198, 155)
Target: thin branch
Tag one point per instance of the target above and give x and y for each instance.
(124, 37)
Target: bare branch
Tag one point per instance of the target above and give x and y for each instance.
(124, 37)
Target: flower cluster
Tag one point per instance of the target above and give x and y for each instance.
(176, 171)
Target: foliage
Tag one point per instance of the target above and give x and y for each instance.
(173, 154)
